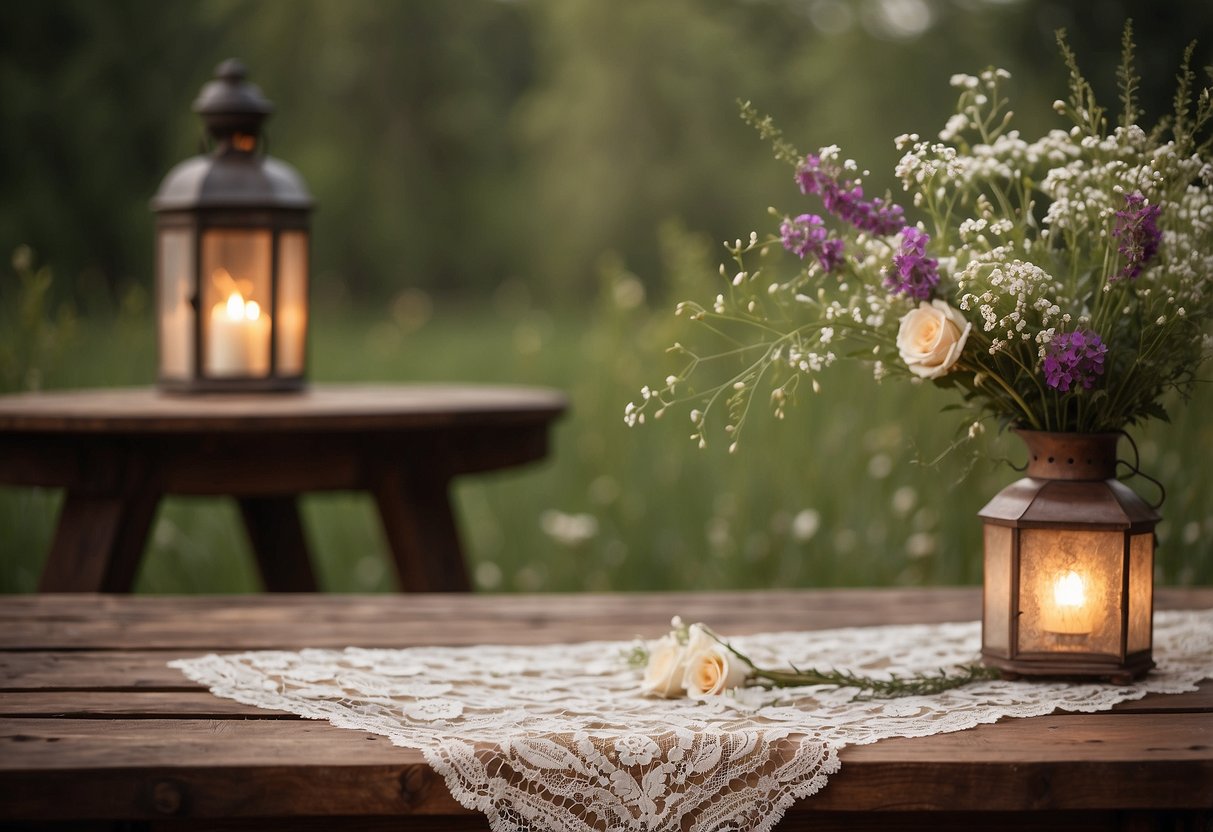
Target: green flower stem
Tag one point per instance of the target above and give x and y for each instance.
(1015, 397)
(1029, 373)
(920, 684)
(871, 688)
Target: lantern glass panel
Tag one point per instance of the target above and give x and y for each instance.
(996, 605)
(236, 265)
(291, 328)
(1070, 591)
(1141, 591)
(175, 271)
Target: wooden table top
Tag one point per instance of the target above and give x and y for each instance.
(93, 724)
(318, 408)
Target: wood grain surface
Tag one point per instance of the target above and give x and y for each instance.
(95, 726)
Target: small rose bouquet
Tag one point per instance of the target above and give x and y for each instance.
(693, 661)
(1061, 284)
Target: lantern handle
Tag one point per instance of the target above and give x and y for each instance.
(1135, 470)
(1019, 469)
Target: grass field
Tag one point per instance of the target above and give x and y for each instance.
(832, 496)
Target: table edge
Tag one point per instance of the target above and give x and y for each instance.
(344, 408)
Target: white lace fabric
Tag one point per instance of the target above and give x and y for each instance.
(558, 737)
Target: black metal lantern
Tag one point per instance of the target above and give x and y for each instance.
(232, 254)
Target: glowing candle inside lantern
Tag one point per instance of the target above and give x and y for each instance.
(1068, 610)
(238, 343)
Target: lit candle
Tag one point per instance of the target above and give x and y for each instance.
(1068, 611)
(238, 343)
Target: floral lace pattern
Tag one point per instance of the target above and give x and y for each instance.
(557, 737)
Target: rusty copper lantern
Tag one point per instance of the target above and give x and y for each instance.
(1069, 565)
(232, 232)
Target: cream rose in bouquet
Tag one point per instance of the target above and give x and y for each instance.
(1061, 284)
(931, 338)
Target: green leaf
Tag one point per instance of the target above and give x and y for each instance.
(1154, 410)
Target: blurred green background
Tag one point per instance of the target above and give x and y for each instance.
(519, 191)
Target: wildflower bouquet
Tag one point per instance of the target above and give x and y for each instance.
(1062, 284)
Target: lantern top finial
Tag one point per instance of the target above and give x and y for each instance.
(237, 173)
(231, 104)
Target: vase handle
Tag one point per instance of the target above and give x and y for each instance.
(1135, 470)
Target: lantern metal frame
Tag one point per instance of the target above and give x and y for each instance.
(235, 187)
(1070, 489)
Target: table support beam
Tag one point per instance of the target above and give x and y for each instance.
(99, 541)
(276, 534)
(415, 508)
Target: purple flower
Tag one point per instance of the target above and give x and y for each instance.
(1074, 358)
(812, 178)
(844, 199)
(914, 274)
(807, 235)
(877, 216)
(1137, 230)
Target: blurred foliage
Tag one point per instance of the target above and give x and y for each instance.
(515, 191)
(456, 146)
(34, 337)
(834, 495)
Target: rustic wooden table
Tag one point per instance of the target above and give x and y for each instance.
(95, 727)
(117, 452)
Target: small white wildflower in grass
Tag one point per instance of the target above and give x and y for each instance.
(880, 466)
(904, 500)
(805, 525)
(921, 545)
(568, 529)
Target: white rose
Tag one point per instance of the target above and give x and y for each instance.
(666, 667)
(931, 338)
(711, 669)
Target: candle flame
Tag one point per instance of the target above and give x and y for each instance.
(1069, 590)
(239, 309)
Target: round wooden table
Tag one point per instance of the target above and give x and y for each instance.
(118, 451)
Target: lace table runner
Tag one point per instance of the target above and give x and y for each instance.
(558, 738)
